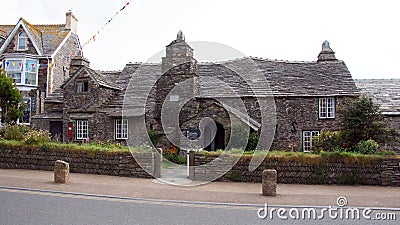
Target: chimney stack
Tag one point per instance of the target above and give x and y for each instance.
(76, 63)
(71, 23)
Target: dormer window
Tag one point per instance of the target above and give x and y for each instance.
(22, 41)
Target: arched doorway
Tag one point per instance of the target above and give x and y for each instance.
(219, 140)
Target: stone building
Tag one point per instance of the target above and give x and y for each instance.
(386, 93)
(304, 95)
(37, 57)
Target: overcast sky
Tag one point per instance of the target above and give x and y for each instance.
(365, 34)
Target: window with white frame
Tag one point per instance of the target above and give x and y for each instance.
(22, 71)
(81, 129)
(327, 108)
(22, 41)
(308, 139)
(14, 69)
(121, 129)
(30, 72)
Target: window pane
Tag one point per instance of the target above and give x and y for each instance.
(308, 137)
(22, 41)
(85, 86)
(14, 65)
(121, 129)
(322, 108)
(79, 87)
(331, 107)
(22, 44)
(81, 129)
(15, 76)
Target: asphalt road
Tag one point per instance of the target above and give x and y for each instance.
(35, 207)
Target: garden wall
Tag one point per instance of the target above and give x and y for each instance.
(100, 162)
(315, 169)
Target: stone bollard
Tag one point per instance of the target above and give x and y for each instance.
(269, 180)
(61, 172)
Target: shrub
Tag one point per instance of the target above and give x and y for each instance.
(367, 147)
(175, 158)
(36, 137)
(154, 136)
(172, 155)
(363, 120)
(253, 141)
(15, 132)
(328, 141)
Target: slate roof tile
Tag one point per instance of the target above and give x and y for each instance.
(385, 92)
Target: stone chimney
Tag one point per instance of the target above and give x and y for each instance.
(76, 63)
(326, 54)
(71, 23)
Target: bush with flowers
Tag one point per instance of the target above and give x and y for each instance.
(36, 137)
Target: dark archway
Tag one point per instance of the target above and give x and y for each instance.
(218, 142)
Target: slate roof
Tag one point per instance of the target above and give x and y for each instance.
(299, 79)
(57, 96)
(47, 37)
(385, 92)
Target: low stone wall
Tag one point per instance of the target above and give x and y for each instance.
(383, 171)
(100, 162)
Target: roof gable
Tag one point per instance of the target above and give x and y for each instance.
(95, 76)
(46, 38)
(34, 36)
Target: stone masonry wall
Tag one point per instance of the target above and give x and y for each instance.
(296, 114)
(62, 61)
(101, 162)
(382, 171)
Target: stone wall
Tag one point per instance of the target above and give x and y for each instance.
(383, 171)
(101, 162)
(61, 62)
(296, 114)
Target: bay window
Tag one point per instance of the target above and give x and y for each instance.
(22, 71)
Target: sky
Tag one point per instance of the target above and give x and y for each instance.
(364, 34)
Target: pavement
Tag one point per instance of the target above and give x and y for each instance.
(215, 192)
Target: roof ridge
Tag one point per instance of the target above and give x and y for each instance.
(30, 25)
(50, 24)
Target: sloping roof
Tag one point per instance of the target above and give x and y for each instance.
(330, 78)
(385, 92)
(301, 79)
(101, 79)
(283, 78)
(57, 96)
(47, 37)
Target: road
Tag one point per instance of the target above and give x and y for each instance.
(37, 207)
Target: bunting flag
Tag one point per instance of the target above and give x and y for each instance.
(93, 38)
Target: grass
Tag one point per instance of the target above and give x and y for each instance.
(48, 146)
